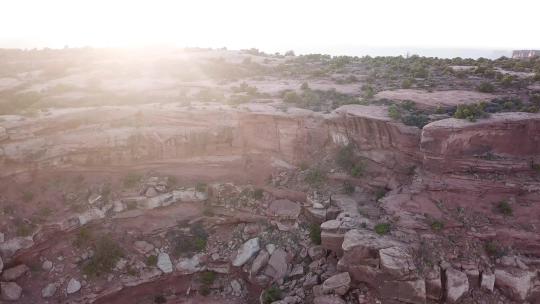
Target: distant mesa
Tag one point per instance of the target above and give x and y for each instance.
(524, 54)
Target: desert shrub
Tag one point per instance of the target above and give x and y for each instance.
(346, 159)
(304, 86)
(406, 83)
(106, 254)
(270, 295)
(437, 225)
(258, 193)
(382, 228)
(292, 97)
(535, 167)
(83, 237)
(188, 244)
(493, 249)
(315, 177)
(417, 120)
(368, 92)
(348, 188)
(380, 193)
(151, 260)
(207, 277)
(160, 299)
(172, 181)
(201, 187)
(27, 196)
(131, 180)
(393, 112)
(315, 233)
(23, 228)
(471, 112)
(504, 208)
(486, 87)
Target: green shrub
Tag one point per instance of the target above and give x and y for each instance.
(406, 83)
(348, 188)
(304, 86)
(106, 254)
(417, 120)
(382, 228)
(270, 295)
(437, 225)
(471, 112)
(258, 193)
(83, 237)
(151, 260)
(315, 233)
(504, 208)
(27, 196)
(493, 249)
(486, 87)
(292, 97)
(393, 112)
(207, 277)
(131, 180)
(201, 187)
(315, 177)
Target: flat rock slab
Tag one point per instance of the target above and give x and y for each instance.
(164, 263)
(284, 209)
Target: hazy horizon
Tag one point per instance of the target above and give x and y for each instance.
(442, 29)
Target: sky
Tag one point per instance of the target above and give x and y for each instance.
(338, 26)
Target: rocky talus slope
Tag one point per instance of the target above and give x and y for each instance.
(211, 204)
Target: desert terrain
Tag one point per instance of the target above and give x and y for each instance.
(236, 176)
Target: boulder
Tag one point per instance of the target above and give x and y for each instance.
(14, 273)
(488, 280)
(328, 300)
(277, 265)
(338, 284)
(457, 284)
(91, 215)
(316, 252)
(8, 248)
(73, 286)
(190, 265)
(284, 209)
(143, 246)
(189, 195)
(47, 265)
(397, 262)
(260, 261)
(10, 291)
(404, 291)
(49, 290)
(164, 263)
(514, 282)
(246, 251)
(434, 290)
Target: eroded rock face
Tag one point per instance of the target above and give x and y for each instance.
(339, 284)
(457, 285)
(456, 145)
(516, 283)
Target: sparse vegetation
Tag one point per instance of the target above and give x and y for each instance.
(83, 237)
(471, 112)
(270, 295)
(151, 260)
(504, 208)
(437, 225)
(131, 180)
(315, 177)
(486, 87)
(315, 233)
(382, 228)
(106, 255)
